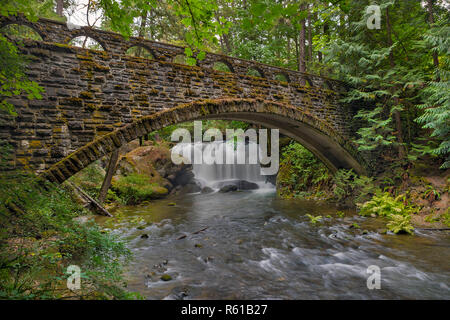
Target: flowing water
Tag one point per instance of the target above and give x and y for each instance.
(253, 245)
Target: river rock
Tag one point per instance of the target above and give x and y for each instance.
(239, 184)
(245, 185)
(192, 187)
(207, 190)
(184, 177)
(166, 277)
(228, 188)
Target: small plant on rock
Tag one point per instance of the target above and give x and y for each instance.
(314, 219)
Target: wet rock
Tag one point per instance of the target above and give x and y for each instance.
(208, 259)
(228, 188)
(144, 236)
(184, 177)
(245, 185)
(166, 277)
(192, 187)
(179, 293)
(239, 184)
(207, 190)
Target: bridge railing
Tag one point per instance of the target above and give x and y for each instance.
(116, 45)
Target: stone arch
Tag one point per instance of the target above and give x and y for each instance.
(148, 53)
(86, 33)
(307, 81)
(28, 25)
(180, 58)
(219, 63)
(281, 76)
(255, 72)
(316, 135)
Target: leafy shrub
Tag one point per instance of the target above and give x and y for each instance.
(90, 179)
(348, 185)
(314, 219)
(39, 241)
(136, 188)
(301, 173)
(384, 205)
(400, 224)
(445, 218)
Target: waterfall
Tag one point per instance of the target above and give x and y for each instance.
(215, 175)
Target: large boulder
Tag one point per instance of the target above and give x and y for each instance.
(192, 187)
(207, 190)
(246, 185)
(228, 188)
(239, 184)
(184, 176)
(155, 162)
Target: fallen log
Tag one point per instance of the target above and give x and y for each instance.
(97, 206)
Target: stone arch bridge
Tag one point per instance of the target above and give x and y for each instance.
(95, 101)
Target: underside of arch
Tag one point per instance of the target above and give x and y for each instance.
(333, 149)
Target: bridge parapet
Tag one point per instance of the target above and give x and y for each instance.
(115, 44)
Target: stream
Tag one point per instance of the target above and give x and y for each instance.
(254, 245)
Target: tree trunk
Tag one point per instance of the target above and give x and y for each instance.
(59, 7)
(310, 48)
(325, 32)
(302, 44)
(109, 174)
(435, 55)
(396, 114)
(142, 31)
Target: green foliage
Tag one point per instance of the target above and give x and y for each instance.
(39, 242)
(193, 19)
(384, 205)
(380, 131)
(398, 214)
(436, 95)
(349, 186)
(431, 218)
(431, 192)
(13, 81)
(445, 218)
(300, 172)
(314, 219)
(136, 188)
(400, 224)
(389, 69)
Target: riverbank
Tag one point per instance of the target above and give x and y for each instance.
(256, 245)
(417, 191)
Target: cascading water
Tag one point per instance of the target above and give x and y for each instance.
(211, 174)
